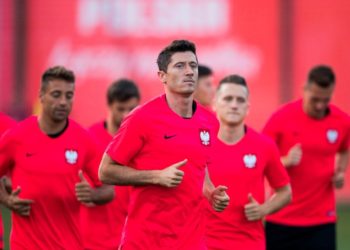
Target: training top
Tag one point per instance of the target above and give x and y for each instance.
(46, 169)
(154, 137)
(242, 167)
(102, 225)
(313, 191)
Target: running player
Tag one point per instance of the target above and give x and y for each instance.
(242, 158)
(311, 135)
(162, 149)
(45, 156)
(204, 92)
(102, 225)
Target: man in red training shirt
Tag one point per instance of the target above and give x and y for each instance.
(312, 135)
(205, 91)
(46, 157)
(162, 149)
(241, 159)
(102, 225)
(5, 124)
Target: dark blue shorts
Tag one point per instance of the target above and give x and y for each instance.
(282, 237)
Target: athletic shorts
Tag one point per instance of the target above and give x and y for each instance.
(282, 237)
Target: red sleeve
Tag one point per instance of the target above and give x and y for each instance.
(345, 143)
(92, 161)
(7, 149)
(275, 172)
(128, 141)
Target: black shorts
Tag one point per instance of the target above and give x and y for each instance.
(282, 237)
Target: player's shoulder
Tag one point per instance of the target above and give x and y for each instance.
(339, 114)
(259, 138)
(206, 114)
(22, 129)
(145, 111)
(76, 130)
(289, 108)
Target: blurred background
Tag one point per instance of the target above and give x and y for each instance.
(273, 43)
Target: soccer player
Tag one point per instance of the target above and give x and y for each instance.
(204, 92)
(46, 156)
(242, 158)
(313, 138)
(5, 124)
(102, 225)
(162, 149)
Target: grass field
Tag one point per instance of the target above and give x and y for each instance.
(343, 227)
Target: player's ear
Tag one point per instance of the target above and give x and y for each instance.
(162, 76)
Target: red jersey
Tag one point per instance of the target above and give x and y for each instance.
(5, 123)
(242, 168)
(154, 137)
(102, 225)
(47, 169)
(313, 192)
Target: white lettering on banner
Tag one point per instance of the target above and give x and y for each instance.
(157, 18)
(101, 61)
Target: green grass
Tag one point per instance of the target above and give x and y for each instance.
(343, 227)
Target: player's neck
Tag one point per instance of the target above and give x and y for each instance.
(50, 127)
(231, 134)
(181, 105)
(112, 128)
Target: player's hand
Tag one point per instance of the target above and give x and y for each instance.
(253, 210)
(339, 179)
(171, 176)
(294, 156)
(18, 205)
(219, 198)
(84, 191)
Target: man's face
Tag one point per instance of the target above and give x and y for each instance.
(316, 100)
(57, 100)
(204, 93)
(119, 110)
(231, 104)
(182, 73)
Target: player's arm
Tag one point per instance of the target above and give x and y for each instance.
(13, 202)
(256, 211)
(293, 156)
(216, 196)
(341, 164)
(110, 172)
(89, 195)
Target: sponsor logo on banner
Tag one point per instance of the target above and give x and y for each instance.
(71, 156)
(249, 161)
(332, 135)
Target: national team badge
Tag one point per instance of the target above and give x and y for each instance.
(249, 161)
(71, 156)
(205, 137)
(332, 135)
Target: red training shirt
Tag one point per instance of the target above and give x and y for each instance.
(154, 137)
(47, 169)
(242, 167)
(313, 192)
(102, 225)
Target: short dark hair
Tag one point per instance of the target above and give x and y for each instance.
(56, 73)
(165, 55)
(233, 79)
(204, 71)
(322, 75)
(122, 90)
